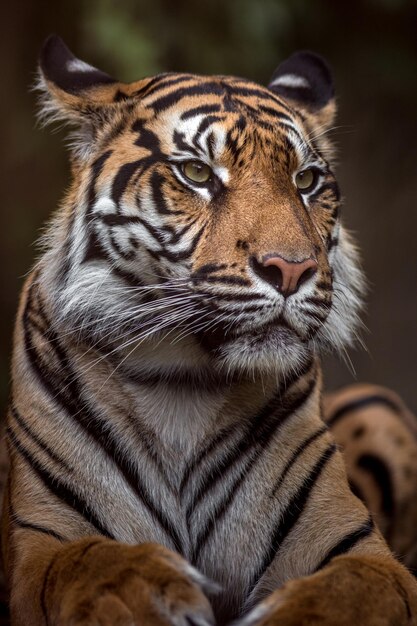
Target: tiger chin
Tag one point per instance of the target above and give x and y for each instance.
(169, 461)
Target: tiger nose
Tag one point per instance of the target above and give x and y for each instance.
(285, 276)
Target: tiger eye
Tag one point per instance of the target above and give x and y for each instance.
(196, 171)
(305, 179)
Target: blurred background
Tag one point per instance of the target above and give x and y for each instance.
(372, 47)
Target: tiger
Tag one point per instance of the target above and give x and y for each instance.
(377, 434)
(169, 462)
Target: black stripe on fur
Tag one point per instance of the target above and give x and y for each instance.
(348, 542)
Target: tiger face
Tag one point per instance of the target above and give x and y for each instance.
(204, 216)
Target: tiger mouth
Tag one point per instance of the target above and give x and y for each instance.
(280, 331)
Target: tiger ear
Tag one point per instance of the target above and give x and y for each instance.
(305, 80)
(66, 74)
(77, 93)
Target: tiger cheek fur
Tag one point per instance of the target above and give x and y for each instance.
(165, 425)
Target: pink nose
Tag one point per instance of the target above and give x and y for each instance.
(286, 276)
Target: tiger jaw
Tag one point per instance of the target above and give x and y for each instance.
(274, 328)
(277, 349)
(272, 347)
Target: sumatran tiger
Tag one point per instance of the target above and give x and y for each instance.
(169, 461)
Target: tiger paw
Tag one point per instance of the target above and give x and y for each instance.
(97, 582)
(348, 591)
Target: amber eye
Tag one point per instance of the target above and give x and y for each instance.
(197, 172)
(306, 179)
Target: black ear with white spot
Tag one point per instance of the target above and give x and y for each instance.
(306, 81)
(79, 94)
(62, 69)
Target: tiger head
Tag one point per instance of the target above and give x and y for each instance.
(203, 215)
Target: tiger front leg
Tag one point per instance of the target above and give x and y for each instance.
(98, 582)
(351, 590)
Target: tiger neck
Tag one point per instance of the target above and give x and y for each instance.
(183, 405)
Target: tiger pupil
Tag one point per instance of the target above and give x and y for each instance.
(196, 171)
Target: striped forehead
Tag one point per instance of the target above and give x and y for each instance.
(198, 135)
(203, 110)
